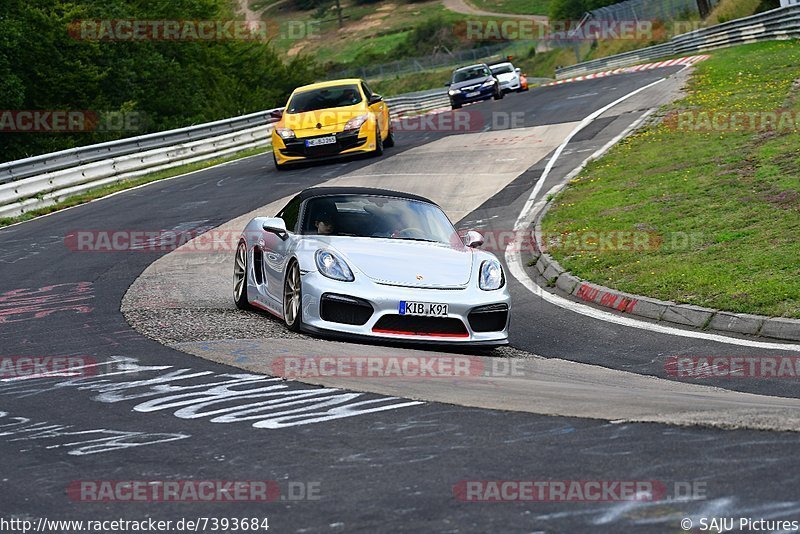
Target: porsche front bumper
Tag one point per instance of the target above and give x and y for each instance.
(475, 317)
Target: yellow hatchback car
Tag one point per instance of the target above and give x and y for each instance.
(330, 120)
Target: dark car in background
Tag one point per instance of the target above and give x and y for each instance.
(473, 84)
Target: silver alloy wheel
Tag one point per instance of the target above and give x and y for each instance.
(240, 272)
(291, 295)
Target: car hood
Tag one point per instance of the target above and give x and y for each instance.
(506, 76)
(470, 84)
(406, 263)
(305, 124)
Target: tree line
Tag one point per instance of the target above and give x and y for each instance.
(45, 64)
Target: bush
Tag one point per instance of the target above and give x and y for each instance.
(172, 84)
(575, 9)
(308, 5)
(567, 9)
(427, 37)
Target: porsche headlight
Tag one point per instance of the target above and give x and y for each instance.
(491, 276)
(356, 122)
(488, 83)
(330, 265)
(285, 133)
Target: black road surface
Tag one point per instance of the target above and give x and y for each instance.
(391, 471)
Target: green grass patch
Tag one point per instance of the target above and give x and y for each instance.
(725, 205)
(372, 26)
(728, 10)
(539, 66)
(409, 83)
(543, 64)
(519, 7)
(127, 184)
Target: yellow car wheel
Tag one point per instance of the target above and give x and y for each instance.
(378, 142)
(389, 142)
(277, 165)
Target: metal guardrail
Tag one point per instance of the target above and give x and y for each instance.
(23, 168)
(648, 10)
(42, 181)
(776, 24)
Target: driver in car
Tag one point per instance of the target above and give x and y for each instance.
(324, 224)
(349, 97)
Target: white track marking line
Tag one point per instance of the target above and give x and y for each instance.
(532, 208)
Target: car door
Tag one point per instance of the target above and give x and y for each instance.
(278, 250)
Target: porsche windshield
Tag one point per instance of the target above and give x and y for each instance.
(325, 97)
(377, 216)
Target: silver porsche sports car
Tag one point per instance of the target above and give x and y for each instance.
(369, 262)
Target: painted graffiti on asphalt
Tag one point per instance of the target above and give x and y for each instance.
(25, 304)
(77, 442)
(262, 401)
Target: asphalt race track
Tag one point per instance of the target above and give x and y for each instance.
(396, 467)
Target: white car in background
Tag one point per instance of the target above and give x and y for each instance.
(508, 76)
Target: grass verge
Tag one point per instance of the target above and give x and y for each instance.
(94, 194)
(538, 66)
(724, 204)
(517, 7)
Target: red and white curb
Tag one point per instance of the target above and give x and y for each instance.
(685, 61)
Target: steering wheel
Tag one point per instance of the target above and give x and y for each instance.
(410, 232)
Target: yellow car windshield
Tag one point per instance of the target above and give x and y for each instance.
(325, 97)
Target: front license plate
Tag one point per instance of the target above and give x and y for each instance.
(427, 309)
(473, 93)
(330, 140)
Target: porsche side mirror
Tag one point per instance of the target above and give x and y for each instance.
(277, 226)
(473, 239)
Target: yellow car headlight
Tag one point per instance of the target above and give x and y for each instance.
(356, 122)
(285, 133)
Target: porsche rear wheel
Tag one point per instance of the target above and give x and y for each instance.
(240, 277)
(292, 299)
